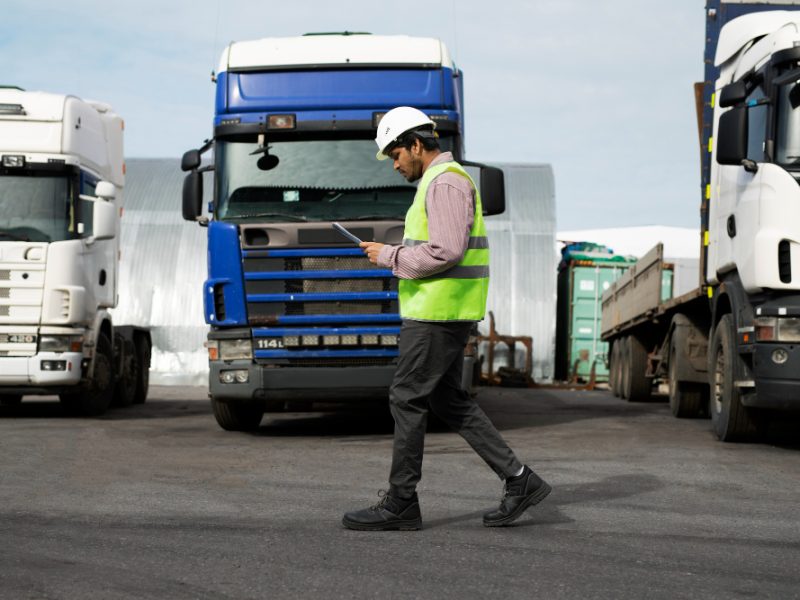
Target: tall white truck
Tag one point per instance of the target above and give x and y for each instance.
(730, 348)
(62, 175)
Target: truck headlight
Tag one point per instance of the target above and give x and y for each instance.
(235, 349)
(61, 343)
(777, 329)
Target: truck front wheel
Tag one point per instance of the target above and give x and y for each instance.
(97, 396)
(237, 416)
(730, 419)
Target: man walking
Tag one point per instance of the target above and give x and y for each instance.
(443, 268)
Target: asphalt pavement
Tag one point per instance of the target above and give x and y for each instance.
(155, 501)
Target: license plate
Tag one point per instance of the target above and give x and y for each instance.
(269, 343)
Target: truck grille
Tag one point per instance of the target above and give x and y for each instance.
(321, 306)
(22, 283)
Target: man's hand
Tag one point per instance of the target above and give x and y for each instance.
(372, 249)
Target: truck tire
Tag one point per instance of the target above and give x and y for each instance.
(125, 390)
(237, 416)
(10, 399)
(639, 386)
(143, 351)
(95, 399)
(731, 421)
(685, 398)
(613, 368)
(624, 367)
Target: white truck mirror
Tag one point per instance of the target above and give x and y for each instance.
(105, 190)
(104, 219)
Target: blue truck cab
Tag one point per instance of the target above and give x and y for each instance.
(296, 312)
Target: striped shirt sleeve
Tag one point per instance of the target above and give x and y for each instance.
(449, 205)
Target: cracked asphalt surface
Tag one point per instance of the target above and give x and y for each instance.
(155, 501)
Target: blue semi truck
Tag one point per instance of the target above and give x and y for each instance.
(297, 314)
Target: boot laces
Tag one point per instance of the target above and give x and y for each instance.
(384, 498)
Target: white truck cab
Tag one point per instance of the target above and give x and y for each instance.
(61, 199)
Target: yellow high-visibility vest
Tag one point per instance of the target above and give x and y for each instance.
(458, 293)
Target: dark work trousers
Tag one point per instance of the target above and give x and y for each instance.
(428, 376)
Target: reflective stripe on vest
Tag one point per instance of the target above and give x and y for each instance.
(459, 293)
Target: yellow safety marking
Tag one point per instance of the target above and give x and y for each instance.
(710, 292)
(708, 191)
(705, 238)
(713, 99)
(710, 143)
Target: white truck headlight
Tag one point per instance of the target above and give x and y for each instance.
(60, 343)
(235, 349)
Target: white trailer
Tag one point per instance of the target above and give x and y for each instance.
(62, 175)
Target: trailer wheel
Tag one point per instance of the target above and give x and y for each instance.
(10, 399)
(639, 386)
(237, 416)
(686, 398)
(143, 351)
(730, 419)
(95, 399)
(613, 368)
(624, 367)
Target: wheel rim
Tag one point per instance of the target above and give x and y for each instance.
(719, 380)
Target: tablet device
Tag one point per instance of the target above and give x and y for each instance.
(346, 233)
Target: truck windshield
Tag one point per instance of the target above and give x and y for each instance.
(312, 180)
(787, 150)
(36, 207)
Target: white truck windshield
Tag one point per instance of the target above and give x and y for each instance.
(36, 207)
(316, 180)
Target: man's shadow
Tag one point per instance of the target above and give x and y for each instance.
(549, 512)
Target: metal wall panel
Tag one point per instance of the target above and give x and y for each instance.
(522, 288)
(162, 269)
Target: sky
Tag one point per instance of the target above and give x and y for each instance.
(600, 90)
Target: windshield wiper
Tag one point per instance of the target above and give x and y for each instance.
(15, 236)
(273, 215)
(377, 218)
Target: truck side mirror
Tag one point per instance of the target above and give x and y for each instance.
(193, 196)
(732, 94)
(493, 191)
(105, 190)
(191, 160)
(732, 137)
(104, 220)
(491, 183)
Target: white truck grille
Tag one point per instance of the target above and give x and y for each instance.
(22, 270)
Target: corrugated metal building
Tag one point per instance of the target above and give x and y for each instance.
(164, 265)
(522, 288)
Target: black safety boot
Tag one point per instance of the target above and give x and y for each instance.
(391, 513)
(519, 493)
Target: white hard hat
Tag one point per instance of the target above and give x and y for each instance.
(395, 123)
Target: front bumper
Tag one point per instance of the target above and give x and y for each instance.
(27, 370)
(777, 386)
(307, 383)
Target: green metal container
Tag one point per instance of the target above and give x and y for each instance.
(585, 272)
